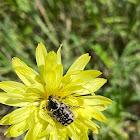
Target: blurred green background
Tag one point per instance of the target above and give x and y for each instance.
(107, 29)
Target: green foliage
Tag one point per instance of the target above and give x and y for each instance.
(108, 29)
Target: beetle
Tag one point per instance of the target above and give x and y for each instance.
(60, 111)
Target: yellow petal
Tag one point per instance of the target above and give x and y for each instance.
(34, 125)
(51, 62)
(67, 138)
(84, 112)
(51, 83)
(80, 63)
(66, 91)
(98, 115)
(94, 84)
(45, 138)
(83, 128)
(61, 131)
(77, 129)
(29, 135)
(7, 132)
(86, 76)
(43, 113)
(37, 129)
(16, 116)
(72, 133)
(5, 120)
(59, 73)
(31, 75)
(54, 79)
(25, 73)
(36, 88)
(79, 81)
(13, 99)
(17, 129)
(59, 55)
(11, 86)
(32, 119)
(96, 100)
(17, 62)
(47, 131)
(75, 101)
(53, 134)
(32, 97)
(20, 114)
(91, 125)
(90, 112)
(41, 54)
(100, 107)
(68, 77)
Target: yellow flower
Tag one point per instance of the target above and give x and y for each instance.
(42, 94)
